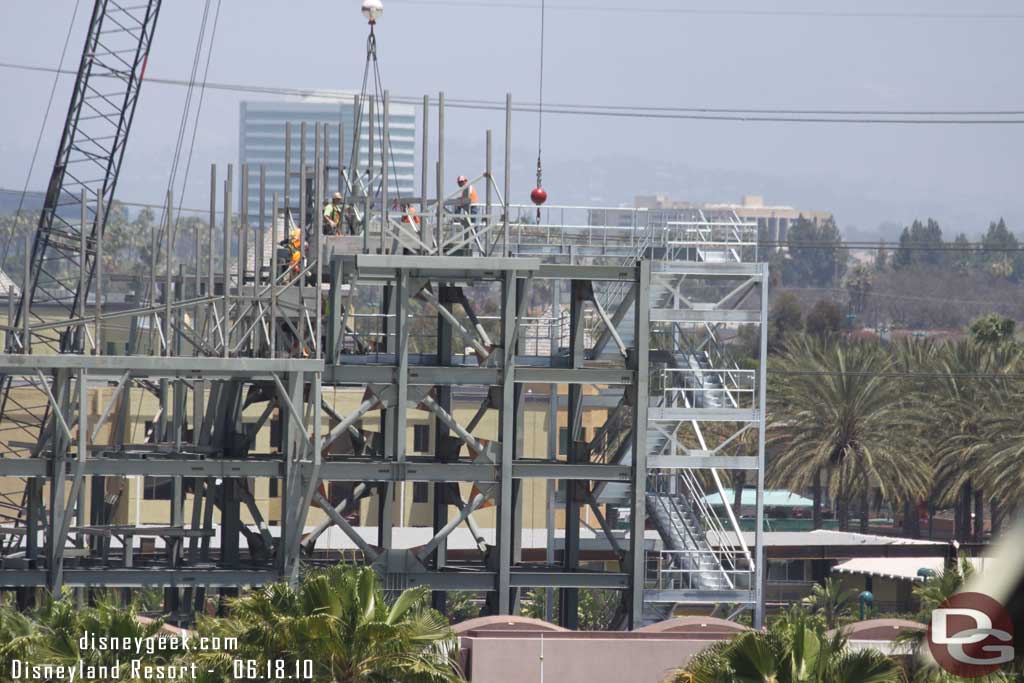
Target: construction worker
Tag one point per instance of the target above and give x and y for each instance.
(332, 215)
(469, 196)
(294, 244)
(409, 214)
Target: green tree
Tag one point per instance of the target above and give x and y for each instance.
(992, 329)
(824, 320)
(829, 600)
(816, 254)
(965, 398)
(597, 607)
(860, 280)
(920, 246)
(784, 320)
(881, 262)
(1000, 253)
(962, 259)
(340, 619)
(839, 421)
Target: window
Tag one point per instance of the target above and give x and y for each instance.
(274, 490)
(786, 570)
(158, 488)
(420, 492)
(421, 438)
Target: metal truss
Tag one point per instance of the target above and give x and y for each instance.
(633, 340)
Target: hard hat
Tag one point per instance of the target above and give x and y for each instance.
(295, 233)
(337, 195)
(463, 180)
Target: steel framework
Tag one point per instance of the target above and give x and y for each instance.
(631, 324)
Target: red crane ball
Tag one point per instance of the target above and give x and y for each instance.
(538, 195)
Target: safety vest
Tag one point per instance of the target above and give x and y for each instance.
(471, 193)
(332, 212)
(410, 216)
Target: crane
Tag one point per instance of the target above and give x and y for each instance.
(82, 183)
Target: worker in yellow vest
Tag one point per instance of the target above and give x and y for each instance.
(332, 215)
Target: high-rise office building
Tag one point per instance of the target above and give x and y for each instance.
(261, 135)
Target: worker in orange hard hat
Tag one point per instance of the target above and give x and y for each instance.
(409, 214)
(295, 243)
(468, 200)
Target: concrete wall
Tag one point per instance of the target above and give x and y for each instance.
(582, 658)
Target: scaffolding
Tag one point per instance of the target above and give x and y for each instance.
(632, 323)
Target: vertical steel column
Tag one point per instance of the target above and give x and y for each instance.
(762, 406)
(549, 484)
(210, 235)
(318, 254)
(261, 236)
(488, 159)
(399, 414)
(442, 439)
(100, 209)
(638, 473)
(83, 284)
(508, 441)
(508, 171)
(368, 199)
(385, 149)
(273, 282)
(196, 286)
(243, 227)
(303, 195)
(440, 172)
(425, 155)
(569, 597)
(55, 536)
(226, 322)
(287, 178)
(303, 260)
(341, 155)
(167, 275)
(26, 300)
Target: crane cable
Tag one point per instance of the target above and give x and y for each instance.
(540, 105)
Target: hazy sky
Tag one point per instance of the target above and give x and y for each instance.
(866, 174)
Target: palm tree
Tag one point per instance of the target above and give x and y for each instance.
(792, 651)
(916, 358)
(340, 619)
(18, 637)
(830, 600)
(964, 402)
(840, 418)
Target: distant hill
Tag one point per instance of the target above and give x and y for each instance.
(9, 201)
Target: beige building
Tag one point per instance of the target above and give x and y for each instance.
(773, 220)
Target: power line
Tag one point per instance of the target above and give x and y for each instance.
(820, 115)
(963, 247)
(894, 374)
(726, 12)
(906, 297)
